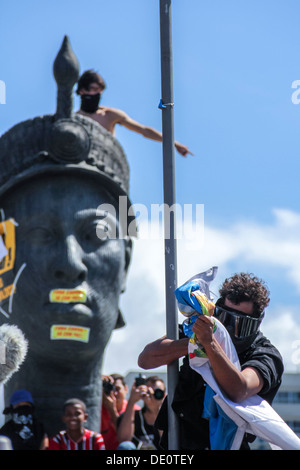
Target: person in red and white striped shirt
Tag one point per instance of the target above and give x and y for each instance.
(75, 436)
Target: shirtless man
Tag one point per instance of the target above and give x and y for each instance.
(90, 88)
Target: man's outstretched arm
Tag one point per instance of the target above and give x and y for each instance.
(148, 132)
(161, 352)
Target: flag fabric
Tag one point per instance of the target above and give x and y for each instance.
(193, 299)
(186, 295)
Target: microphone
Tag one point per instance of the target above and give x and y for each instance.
(13, 350)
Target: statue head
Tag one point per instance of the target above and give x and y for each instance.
(60, 174)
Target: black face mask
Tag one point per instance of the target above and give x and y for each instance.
(243, 344)
(22, 415)
(90, 103)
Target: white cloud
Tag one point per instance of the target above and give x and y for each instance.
(282, 329)
(274, 246)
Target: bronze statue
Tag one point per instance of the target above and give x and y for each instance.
(63, 289)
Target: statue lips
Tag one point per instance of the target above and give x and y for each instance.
(72, 304)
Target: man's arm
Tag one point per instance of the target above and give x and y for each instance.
(110, 404)
(238, 385)
(125, 428)
(124, 120)
(110, 401)
(126, 425)
(161, 352)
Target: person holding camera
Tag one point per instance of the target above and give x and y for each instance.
(137, 426)
(113, 405)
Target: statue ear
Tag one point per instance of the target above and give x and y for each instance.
(120, 321)
(128, 253)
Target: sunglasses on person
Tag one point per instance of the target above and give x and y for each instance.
(238, 324)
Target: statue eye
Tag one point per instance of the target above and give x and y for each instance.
(94, 232)
(40, 235)
(89, 236)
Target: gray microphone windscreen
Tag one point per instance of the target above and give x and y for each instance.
(13, 350)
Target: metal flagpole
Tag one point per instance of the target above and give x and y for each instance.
(166, 105)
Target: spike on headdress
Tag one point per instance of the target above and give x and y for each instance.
(66, 73)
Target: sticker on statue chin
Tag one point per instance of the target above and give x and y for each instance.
(67, 296)
(70, 332)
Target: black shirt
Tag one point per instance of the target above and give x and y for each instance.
(190, 390)
(25, 435)
(265, 358)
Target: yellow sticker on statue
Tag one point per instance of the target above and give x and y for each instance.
(67, 296)
(6, 291)
(7, 233)
(70, 332)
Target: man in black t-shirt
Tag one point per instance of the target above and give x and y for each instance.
(240, 308)
(23, 429)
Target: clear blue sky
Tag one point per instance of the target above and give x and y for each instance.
(234, 65)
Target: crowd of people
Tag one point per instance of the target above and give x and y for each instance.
(125, 425)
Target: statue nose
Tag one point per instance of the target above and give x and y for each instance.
(69, 267)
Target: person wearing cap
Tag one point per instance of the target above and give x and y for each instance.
(23, 429)
(240, 307)
(90, 88)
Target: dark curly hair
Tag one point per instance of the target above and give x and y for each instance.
(246, 287)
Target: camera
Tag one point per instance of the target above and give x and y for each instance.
(140, 380)
(158, 393)
(108, 387)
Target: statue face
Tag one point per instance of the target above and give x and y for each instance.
(66, 300)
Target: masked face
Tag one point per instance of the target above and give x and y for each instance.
(66, 299)
(239, 321)
(243, 344)
(90, 103)
(22, 414)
